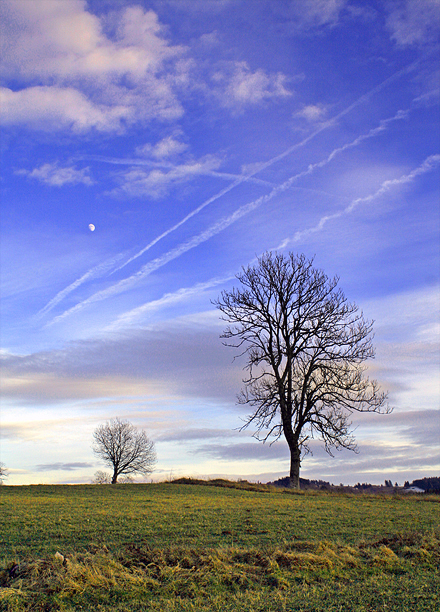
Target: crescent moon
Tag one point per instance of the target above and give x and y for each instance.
(91, 227)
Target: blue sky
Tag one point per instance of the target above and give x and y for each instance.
(196, 135)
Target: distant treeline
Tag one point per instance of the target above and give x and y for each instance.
(429, 485)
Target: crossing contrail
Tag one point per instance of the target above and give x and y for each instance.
(153, 265)
(263, 165)
(240, 212)
(183, 293)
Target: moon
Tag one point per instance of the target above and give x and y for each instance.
(91, 227)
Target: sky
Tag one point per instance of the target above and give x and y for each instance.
(150, 149)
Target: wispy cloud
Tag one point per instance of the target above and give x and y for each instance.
(314, 13)
(238, 86)
(136, 182)
(165, 148)
(414, 23)
(312, 112)
(56, 176)
(247, 175)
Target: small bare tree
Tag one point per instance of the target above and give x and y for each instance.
(125, 448)
(305, 347)
(3, 472)
(101, 478)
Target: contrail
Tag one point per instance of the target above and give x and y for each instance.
(182, 221)
(401, 114)
(171, 298)
(98, 270)
(222, 224)
(273, 160)
(127, 318)
(106, 266)
(136, 161)
(103, 268)
(429, 164)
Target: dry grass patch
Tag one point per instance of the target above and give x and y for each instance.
(139, 574)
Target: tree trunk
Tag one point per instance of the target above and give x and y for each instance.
(295, 462)
(115, 476)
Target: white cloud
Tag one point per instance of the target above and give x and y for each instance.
(53, 175)
(62, 39)
(165, 148)
(414, 22)
(57, 51)
(312, 112)
(49, 108)
(238, 86)
(155, 183)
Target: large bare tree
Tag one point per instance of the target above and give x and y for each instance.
(124, 448)
(305, 346)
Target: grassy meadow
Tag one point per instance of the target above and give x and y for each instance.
(180, 547)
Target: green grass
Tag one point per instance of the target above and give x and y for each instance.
(180, 548)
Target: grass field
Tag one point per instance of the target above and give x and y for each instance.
(183, 547)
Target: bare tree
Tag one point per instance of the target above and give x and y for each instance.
(125, 448)
(3, 472)
(101, 478)
(305, 346)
